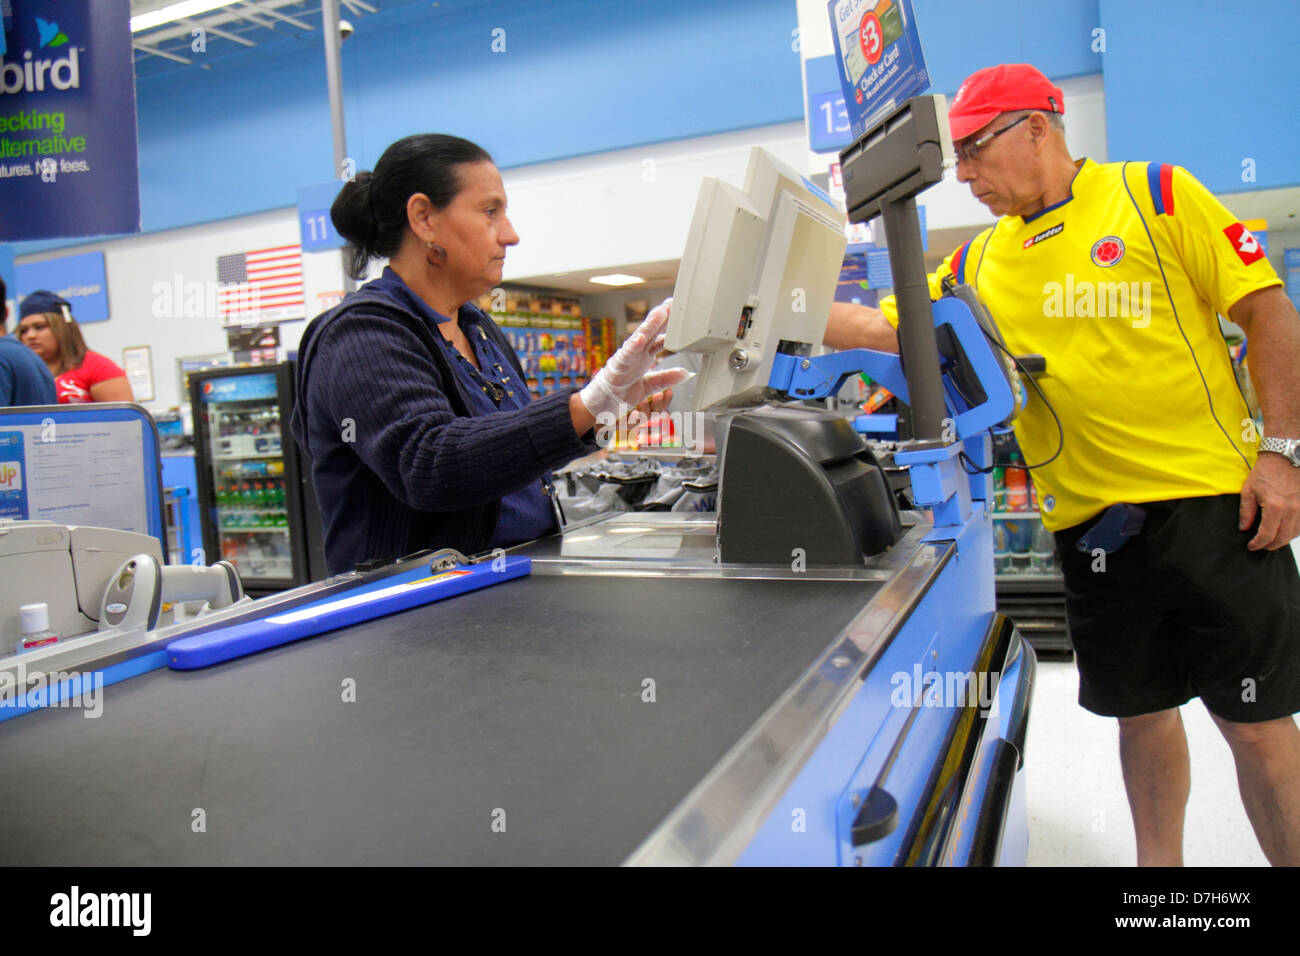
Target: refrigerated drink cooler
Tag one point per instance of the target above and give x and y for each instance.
(257, 505)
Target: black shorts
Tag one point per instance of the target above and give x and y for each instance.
(1184, 610)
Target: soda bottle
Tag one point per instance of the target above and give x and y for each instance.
(1017, 490)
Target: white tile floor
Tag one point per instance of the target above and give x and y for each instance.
(1078, 814)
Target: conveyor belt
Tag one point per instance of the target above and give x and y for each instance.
(524, 698)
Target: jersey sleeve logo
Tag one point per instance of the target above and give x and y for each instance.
(1244, 243)
(1107, 251)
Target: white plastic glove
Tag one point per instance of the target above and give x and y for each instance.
(626, 378)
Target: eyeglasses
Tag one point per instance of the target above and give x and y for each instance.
(970, 152)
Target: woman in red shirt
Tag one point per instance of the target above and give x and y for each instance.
(47, 328)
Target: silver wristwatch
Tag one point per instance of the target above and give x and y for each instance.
(1290, 447)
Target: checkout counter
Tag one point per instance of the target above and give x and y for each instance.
(629, 700)
(806, 676)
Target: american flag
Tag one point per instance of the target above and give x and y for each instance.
(264, 285)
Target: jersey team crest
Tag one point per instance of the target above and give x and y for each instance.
(1107, 251)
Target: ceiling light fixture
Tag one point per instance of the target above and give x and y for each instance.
(616, 278)
(176, 11)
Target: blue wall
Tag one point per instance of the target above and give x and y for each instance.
(1205, 85)
(585, 76)
(962, 36)
(576, 78)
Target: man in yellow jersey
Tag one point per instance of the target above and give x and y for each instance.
(1172, 516)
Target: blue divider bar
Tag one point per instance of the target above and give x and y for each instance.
(81, 689)
(204, 650)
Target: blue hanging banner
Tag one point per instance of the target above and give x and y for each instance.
(68, 161)
(828, 121)
(878, 51)
(314, 202)
(80, 279)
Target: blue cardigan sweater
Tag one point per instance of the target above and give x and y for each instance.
(400, 461)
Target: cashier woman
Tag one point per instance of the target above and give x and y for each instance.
(412, 404)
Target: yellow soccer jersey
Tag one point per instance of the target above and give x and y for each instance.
(1118, 288)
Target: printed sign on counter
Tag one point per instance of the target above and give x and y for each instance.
(74, 473)
(68, 163)
(879, 57)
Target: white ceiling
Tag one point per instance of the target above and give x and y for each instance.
(655, 274)
(239, 26)
(1280, 207)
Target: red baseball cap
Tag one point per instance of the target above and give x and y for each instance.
(1000, 89)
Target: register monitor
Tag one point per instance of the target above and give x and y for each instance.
(758, 276)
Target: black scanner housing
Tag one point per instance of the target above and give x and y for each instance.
(795, 477)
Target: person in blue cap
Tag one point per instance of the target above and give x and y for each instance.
(24, 379)
(46, 326)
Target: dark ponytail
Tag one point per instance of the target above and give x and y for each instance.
(370, 210)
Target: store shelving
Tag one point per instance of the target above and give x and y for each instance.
(1027, 575)
(557, 345)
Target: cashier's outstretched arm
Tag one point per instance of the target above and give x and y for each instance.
(859, 327)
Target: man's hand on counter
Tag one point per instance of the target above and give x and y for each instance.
(859, 327)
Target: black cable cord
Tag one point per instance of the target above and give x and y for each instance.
(1060, 431)
(971, 468)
